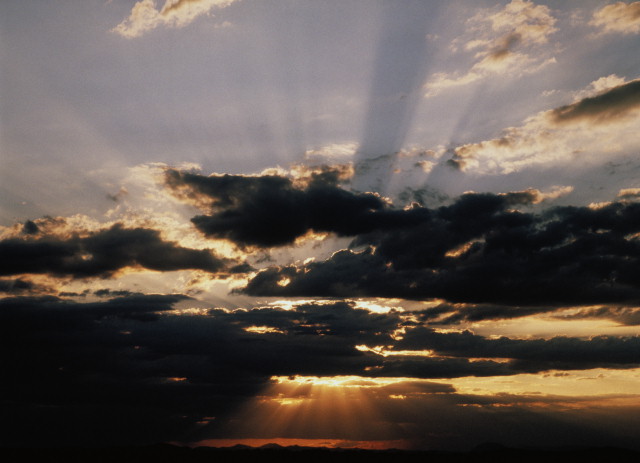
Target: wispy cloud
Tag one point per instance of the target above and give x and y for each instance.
(507, 42)
(620, 17)
(145, 15)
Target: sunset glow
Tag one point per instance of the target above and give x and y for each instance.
(397, 224)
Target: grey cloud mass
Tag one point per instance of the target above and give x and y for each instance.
(481, 250)
(266, 211)
(102, 253)
(614, 103)
(133, 357)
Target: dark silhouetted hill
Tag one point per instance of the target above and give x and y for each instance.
(164, 453)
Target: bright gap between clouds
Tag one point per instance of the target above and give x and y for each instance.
(356, 411)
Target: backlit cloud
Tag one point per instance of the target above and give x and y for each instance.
(619, 17)
(605, 122)
(481, 249)
(332, 153)
(271, 210)
(102, 253)
(146, 16)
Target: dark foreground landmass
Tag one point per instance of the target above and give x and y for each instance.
(174, 454)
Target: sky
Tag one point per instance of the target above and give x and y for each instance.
(377, 224)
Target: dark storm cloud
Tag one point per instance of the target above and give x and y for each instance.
(126, 371)
(17, 285)
(447, 314)
(438, 367)
(614, 103)
(623, 315)
(30, 228)
(535, 354)
(271, 210)
(480, 250)
(102, 253)
(52, 309)
(106, 292)
(337, 319)
(132, 370)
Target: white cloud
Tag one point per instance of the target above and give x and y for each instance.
(618, 17)
(333, 152)
(629, 194)
(582, 131)
(599, 86)
(145, 16)
(510, 41)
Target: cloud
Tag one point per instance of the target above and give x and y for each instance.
(332, 152)
(509, 41)
(50, 308)
(274, 210)
(629, 194)
(604, 122)
(17, 285)
(613, 104)
(78, 368)
(629, 316)
(450, 314)
(481, 249)
(30, 228)
(561, 352)
(102, 253)
(619, 17)
(175, 13)
(599, 86)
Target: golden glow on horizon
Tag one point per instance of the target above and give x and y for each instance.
(338, 411)
(596, 382)
(176, 379)
(328, 443)
(354, 411)
(551, 325)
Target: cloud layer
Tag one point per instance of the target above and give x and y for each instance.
(101, 253)
(481, 249)
(271, 210)
(606, 121)
(178, 376)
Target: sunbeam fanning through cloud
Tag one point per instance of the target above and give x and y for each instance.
(399, 224)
